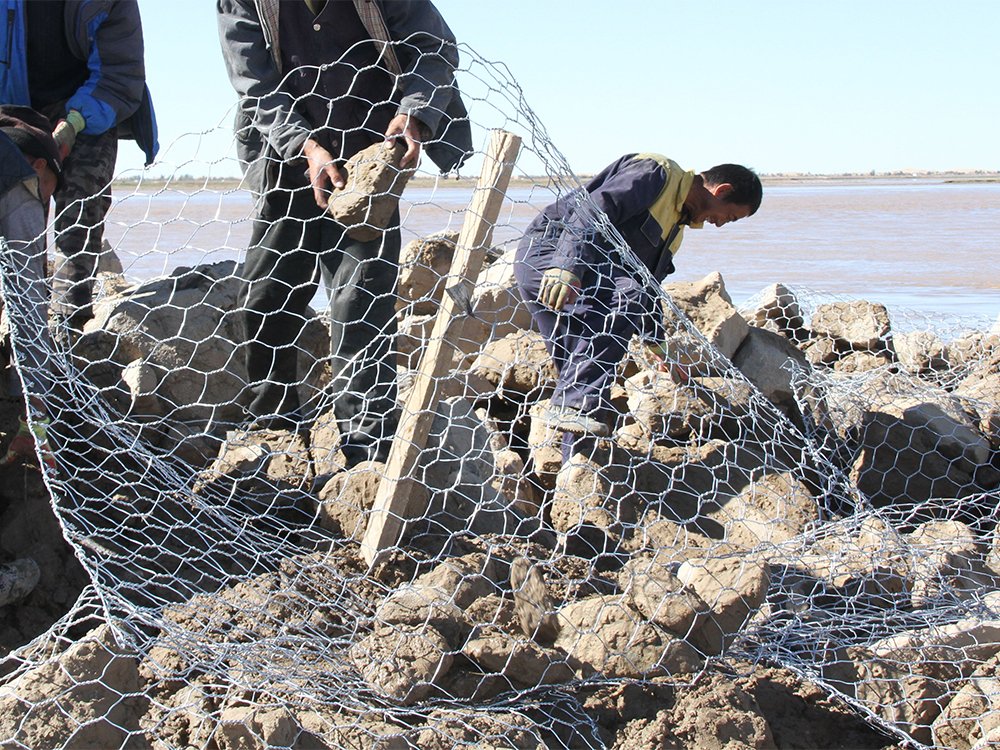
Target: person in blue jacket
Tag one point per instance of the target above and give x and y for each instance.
(586, 299)
(80, 63)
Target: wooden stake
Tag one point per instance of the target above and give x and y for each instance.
(391, 508)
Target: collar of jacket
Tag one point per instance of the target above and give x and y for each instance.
(669, 204)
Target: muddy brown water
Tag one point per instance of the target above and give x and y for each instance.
(921, 244)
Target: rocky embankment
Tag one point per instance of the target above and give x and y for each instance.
(805, 491)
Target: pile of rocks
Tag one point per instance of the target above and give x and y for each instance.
(704, 525)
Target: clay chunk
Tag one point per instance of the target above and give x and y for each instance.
(375, 182)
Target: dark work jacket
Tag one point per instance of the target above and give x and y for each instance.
(265, 41)
(640, 195)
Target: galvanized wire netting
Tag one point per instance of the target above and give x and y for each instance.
(805, 483)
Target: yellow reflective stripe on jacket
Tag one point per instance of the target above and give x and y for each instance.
(669, 204)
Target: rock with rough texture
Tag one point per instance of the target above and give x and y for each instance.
(948, 561)
(441, 596)
(853, 326)
(544, 447)
(169, 348)
(869, 565)
(401, 662)
(605, 636)
(517, 362)
(251, 728)
(457, 469)
(774, 508)
(920, 352)
(733, 587)
(974, 713)
(496, 300)
(521, 660)
(276, 455)
(905, 679)
(655, 591)
(370, 196)
(581, 495)
(915, 447)
(346, 499)
(664, 409)
(777, 305)
(709, 306)
(87, 696)
(769, 361)
(423, 265)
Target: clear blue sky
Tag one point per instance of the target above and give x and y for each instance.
(780, 85)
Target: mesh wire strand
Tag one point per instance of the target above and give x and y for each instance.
(824, 502)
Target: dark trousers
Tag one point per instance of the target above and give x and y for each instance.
(82, 202)
(293, 241)
(589, 337)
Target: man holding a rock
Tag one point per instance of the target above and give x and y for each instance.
(319, 82)
(586, 298)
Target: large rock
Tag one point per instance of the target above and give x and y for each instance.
(774, 508)
(370, 196)
(170, 349)
(656, 592)
(581, 497)
(974, 713)
(920, 352)
(710, 308)
(733, 587)
(401, 662)
(858, 325)
(868, 565)
(905, 679)
(605, 636)
(253, 728)
(769, 361)
(777, 306)
(948, 562)
(457, 469)
(441, 596)
(664, 409)
(346, 500)
(544, 447)
(496, 300)
(913, 449)
(518, 362)
(86, 697)
(522, 661)
(423, 265)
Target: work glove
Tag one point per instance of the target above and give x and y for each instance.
(22, 446)
(558, 288)
(66, 131)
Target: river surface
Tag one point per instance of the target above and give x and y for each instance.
(916, 245)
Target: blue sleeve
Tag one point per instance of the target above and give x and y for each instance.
(112, 35)
(624, 193)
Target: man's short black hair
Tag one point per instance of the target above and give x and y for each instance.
(747, 190)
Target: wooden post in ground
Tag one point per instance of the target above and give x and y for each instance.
(391, 508)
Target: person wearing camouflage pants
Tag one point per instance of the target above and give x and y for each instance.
(79, 63)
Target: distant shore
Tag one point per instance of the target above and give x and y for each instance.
(225, 184)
